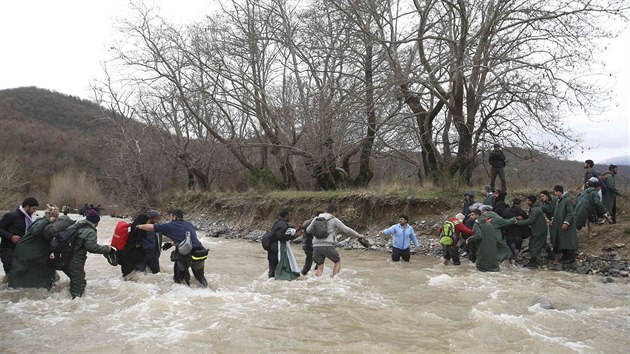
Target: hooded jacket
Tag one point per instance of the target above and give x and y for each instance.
(333, 225)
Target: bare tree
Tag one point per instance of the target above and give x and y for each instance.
(500, 69)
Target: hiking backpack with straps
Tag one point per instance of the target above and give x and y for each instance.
(447, 234)
(267, 238)
(63, 245)
(319, 228)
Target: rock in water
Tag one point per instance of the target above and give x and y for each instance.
(545, 303)
(606, 280)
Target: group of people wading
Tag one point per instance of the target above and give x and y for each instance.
(27, 247)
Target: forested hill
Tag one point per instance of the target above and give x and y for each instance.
(47, 131)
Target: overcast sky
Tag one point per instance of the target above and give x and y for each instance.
(60, 44)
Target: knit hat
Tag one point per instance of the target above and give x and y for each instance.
(470, 193)
(475, 206)
(51, 211)
(93, 217)
(532, 198)
(153, 214)
(485, 208)
(459, 216)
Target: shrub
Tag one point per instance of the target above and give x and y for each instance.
(73, 188)
(12, 183)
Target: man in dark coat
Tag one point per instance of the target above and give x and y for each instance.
(514, 234)
(499, 202)
(486, 244)
(563, 232)
(307, 244)
(29, 268)
(278, 231)
(469, 200)
(610, 198)
(497, 164)
(133, 254)
(540, 228)
(151, 244)
(13, 226)
(589, 207)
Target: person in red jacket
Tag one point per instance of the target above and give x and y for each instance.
(452, 251)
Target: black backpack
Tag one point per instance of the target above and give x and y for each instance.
(319, 228)
(63, 245)
(267, 239)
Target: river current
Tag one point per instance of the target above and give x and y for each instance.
(374, 305)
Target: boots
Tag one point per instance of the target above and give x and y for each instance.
(198, 264)
(198, 271)
(532, 264)
(550, 254)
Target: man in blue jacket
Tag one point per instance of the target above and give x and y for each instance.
(176, 230)
(403, 235)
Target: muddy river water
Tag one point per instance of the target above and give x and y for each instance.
(374, 305)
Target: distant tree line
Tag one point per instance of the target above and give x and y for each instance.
(307, 94)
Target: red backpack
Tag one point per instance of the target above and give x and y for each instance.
(121, 233)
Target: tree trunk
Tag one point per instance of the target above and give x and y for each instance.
(365, 170)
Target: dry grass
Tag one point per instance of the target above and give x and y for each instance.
(74, 188)
(11, 184)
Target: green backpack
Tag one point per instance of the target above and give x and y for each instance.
(447, 233)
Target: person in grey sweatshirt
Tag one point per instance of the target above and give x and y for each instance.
(324, 245)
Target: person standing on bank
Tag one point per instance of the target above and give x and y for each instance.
(325, 247)
(178, 230)
(563, 231)
(540, 229)
(13, 226)
(485, 242)
(497, 163)
(403, 235)
(610, 198)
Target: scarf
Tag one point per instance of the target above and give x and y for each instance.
(27, 219)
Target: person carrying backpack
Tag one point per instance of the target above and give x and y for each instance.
(453, 228)
(277, 233)
(324, 229)
(133, 253)
(184, 235)
(307, 244)
(74, 267)
(403, 235)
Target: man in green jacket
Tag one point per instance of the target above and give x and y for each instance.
(610, 198)
(486, 191)
(563, 232)
(540, 228)
(484, 240)
(589, 207)
(75, 268)
(503, 250)
(29, 268)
